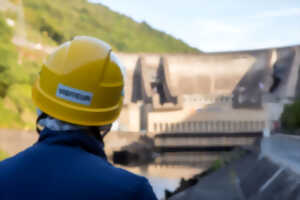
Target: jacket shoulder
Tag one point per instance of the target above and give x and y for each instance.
(142, 188)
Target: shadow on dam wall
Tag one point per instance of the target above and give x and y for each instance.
(248, 92)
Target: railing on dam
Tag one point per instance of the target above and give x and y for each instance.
(209, 126)
(204, 142)
(208, 99)
(199, 159)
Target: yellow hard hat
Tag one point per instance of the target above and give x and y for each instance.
(82, 83)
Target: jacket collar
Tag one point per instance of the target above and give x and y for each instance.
(73, 138)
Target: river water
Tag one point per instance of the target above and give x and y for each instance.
(164, 177)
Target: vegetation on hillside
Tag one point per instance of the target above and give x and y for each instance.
(3, 155)
(15, 94)
(51, 22)
(290, 118)
(57, 21)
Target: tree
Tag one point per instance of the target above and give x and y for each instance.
(290, 118)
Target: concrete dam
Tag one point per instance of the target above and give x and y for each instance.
(176, 93)
(204, 100)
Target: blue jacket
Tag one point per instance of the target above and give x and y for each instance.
(68, 165)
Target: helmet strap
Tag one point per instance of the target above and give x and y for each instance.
(99, 132)
(40, 117)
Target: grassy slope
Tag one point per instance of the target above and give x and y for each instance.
(52, 22)
(15, 81)
(62, 20)
(3, 155)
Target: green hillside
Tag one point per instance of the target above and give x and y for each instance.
(51, 22)
(3, 155)
(16, 109)
(60, 20)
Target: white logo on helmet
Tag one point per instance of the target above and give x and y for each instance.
(74, 95)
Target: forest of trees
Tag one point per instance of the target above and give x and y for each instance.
(58, 21)
(15, 82)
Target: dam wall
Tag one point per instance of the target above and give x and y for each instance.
(166, 89)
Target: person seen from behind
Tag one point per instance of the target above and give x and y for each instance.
(79, 94)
